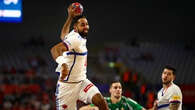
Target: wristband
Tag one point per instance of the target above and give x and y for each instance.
(65, 54)
(59, 59)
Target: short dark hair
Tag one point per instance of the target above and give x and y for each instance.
(170, 67)
(75, 20)
(114, 81)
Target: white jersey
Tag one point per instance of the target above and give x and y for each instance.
(75, 57)
(171, 95)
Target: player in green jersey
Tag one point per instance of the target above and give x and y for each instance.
(118, 102)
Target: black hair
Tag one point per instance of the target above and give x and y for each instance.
(170, 67)
(114, 81)
(75, 20)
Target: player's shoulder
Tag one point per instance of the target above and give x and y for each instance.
(175, 87)
(72, 34)
(75, 36)
(129, 99)
(159, 91)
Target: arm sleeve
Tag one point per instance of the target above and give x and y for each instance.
(133, 104)
(71, 41)
(175, 97)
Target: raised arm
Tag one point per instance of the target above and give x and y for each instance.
(66, 28)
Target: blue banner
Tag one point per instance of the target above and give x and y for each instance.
(11, 10)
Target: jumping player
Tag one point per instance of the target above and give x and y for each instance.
(71, 56)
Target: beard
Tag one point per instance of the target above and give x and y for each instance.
(166, 82)
(83, 34)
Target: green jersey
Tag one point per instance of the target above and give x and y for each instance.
(123, 104)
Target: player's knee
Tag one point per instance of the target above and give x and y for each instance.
(99, 101)
(97, 98)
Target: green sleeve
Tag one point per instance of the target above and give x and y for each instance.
(133, 104)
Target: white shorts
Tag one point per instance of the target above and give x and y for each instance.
(67, 94)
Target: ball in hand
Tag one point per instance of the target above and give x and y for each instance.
(78, 7)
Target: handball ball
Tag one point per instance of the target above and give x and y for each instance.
(78, 7)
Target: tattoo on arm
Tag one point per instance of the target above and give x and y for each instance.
(174, 106)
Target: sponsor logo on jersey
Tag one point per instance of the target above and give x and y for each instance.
(64, 106)
(88, 87)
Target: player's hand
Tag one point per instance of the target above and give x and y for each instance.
(64, 71)
(88, 107)
(155, 104)
(71, 11)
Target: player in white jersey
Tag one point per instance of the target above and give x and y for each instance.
(75, 57)
(71, 56)
(170, 96)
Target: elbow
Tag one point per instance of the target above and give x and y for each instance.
(52, 51)
(62, 36)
